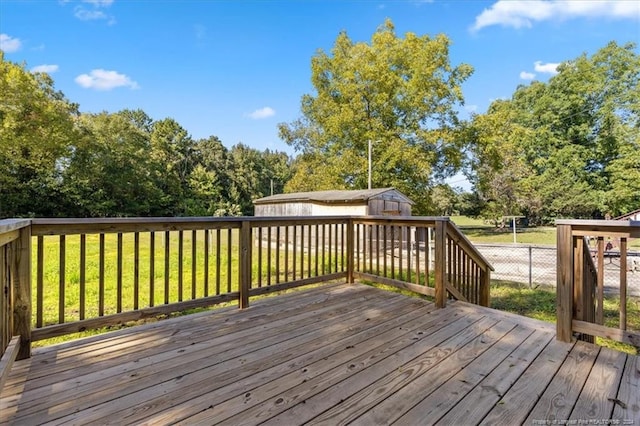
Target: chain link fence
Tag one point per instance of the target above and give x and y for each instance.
(534, 265)
(531, 265)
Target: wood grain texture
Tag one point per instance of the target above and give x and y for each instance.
(333, 354)
(596, 401)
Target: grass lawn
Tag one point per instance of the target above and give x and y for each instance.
(540, 303)
(478, 232)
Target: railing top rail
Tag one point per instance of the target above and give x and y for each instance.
(402, 220)
(631, 227)
(8, 225)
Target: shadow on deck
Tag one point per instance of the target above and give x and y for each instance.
(334, 354)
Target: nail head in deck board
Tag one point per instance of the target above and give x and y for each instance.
(558, 400)
(595, 400)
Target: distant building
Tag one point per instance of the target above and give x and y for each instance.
(634, 215)
(360, 202)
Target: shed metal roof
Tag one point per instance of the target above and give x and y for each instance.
(334, 196)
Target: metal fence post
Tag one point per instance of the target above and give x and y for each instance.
(530, 266)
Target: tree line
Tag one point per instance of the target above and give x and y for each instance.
(58, 162)
(568, 147)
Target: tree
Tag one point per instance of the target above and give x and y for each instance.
(109, 173)
(400, 93)
(566, 148)
(36, 130)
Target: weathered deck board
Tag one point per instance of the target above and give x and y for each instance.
(330, 355)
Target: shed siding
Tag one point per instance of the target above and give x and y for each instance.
(284, 209)
(337, 210)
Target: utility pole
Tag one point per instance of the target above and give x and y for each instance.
(369, 163)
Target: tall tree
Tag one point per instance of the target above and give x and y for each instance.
(568, 148)
(400, 93)
(36, 130)
(109, 173)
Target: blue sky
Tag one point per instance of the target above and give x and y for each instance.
(235, 69)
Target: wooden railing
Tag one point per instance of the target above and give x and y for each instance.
(427, 255)
(581, 279)
(92, 273)
(15, 285)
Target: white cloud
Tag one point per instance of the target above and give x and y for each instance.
(527, 75)
(261, 113)
(99, 3)
(95, 11)
(45, 68)
(471, 108)
(100, 79)
(89, 15)
(9, 44)
(523, 13)
(549, 68)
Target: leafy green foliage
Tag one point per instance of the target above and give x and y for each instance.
(399, 93)
(57, 162)
(36, 130)
(566, 148)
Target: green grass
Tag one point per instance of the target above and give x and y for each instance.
(469, 221)
(540, 303)
(535, 236)
(163, 280)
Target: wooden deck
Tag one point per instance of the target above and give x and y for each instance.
(329, 355)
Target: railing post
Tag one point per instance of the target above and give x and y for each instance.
(485, 285)
(245, 263)
(21, 277)
(564, 285)
(440, 259)
(350, 250)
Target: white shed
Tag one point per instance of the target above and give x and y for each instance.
(360, 202)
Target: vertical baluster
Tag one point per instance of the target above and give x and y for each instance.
(194, 255)
(259, 231)
(393, 251)
(623, 283)
(409, 254)
(83, 276)
(152, 267)
(40, 283)
(61, 276)
(208, 233)
(600, 307)
(417, 245)
(385, 248)
(218, 261)
(229, 244)
(269, 242)
(286, 254)
(101, 277)
(317, 237)
(180, 264)
(377, 249)
(119, 274)
(167, 242)
(335, 258)
(295, 250)
(136, 270)
(324, 244)
(401, 230)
